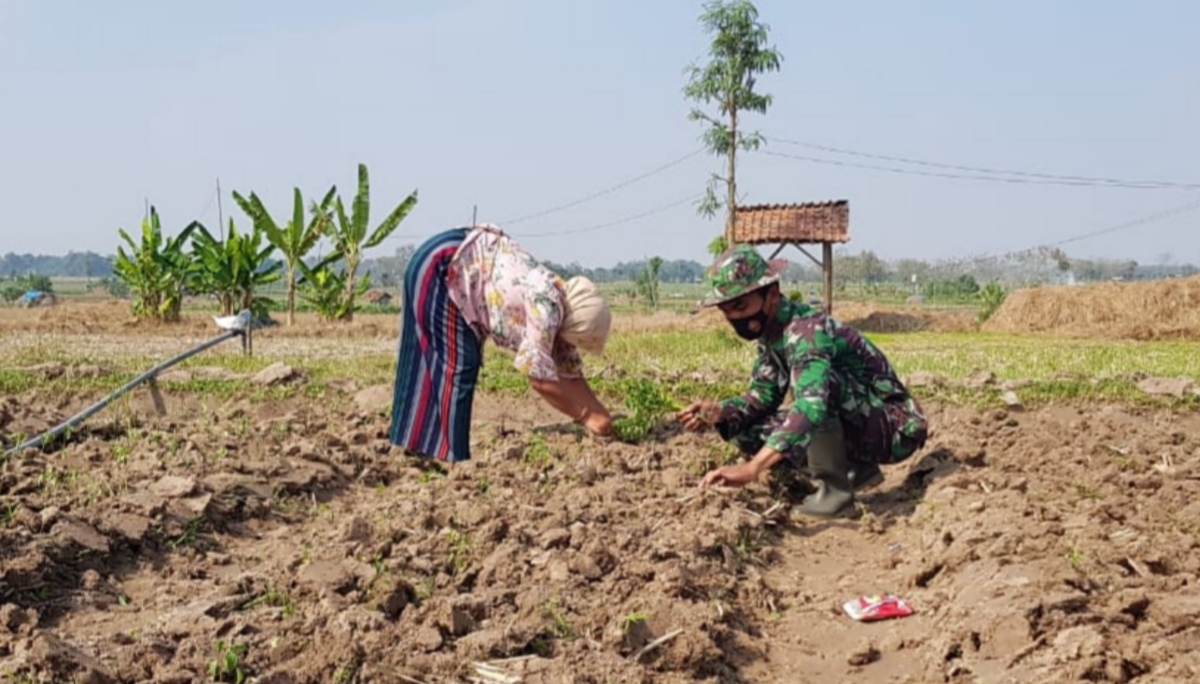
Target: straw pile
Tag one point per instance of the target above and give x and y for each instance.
(1160, 309)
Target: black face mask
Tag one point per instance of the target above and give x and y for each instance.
(746, 330)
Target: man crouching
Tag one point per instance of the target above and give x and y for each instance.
(849, 411)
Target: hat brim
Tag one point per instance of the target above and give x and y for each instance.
(762, 282)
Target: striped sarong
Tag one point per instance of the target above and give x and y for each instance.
(439, 359)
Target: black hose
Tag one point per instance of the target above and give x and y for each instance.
(78, 418)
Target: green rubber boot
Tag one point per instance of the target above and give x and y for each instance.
(830, 468)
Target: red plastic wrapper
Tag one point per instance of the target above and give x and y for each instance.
(871, 608)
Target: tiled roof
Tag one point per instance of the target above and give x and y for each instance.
(806, 222)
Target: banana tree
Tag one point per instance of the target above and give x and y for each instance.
(156, 270)
(294, 241)
(325, 289)
(235, 269)
(350, 237)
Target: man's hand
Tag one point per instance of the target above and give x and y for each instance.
(699, 415)
(732, 475)
(743, 473)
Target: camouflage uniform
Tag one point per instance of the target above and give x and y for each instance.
(831, 370)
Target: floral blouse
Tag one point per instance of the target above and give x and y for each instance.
(503, 293)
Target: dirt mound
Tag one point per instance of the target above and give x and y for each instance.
(1157, 309)
(911, 321)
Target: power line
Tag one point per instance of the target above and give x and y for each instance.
(214, 197)
(1023, 177)
(1151, 218)
(609, 224)
(1168, 213)
(1032, 174)
(606, 191)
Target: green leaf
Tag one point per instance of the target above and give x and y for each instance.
(392, 221)
(362, 205)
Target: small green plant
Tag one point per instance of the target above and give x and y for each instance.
(537, 451)
(121, 451)
(189, 535)
(629, 621)
(647, 402)
(560, 627)
(276, 598)
(460, 548)
(346, 673)
(226, 667)
(424, 589)
(9, 515)
(430, 474)
(1075, 558)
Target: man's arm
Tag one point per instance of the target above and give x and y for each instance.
(810, 350)
(763, 397)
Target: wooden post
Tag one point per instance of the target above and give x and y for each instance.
(827, 266)
(160, 406)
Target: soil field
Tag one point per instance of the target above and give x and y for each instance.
(268, 532)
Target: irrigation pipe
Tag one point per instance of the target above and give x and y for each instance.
(149, 375)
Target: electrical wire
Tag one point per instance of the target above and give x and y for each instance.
(979, 169)
(605, 191)
(959, 176)
(1126, 225)
(1168, 213)
(609, 224)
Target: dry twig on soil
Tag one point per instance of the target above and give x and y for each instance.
(1021, 654)
(490, 673)
(657, 642)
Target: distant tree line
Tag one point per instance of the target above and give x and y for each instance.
(865, 269)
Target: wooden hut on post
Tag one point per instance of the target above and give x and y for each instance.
(809, 223)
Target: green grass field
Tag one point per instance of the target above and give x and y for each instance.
(691, 364)
(676, 297)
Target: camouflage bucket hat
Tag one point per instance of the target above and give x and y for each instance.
(738, 271)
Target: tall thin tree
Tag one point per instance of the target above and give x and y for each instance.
(737, 54)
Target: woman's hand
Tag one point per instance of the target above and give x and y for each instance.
(599, 424)
(699, 415)
(574, 398)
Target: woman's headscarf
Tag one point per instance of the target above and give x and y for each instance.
(587, 318)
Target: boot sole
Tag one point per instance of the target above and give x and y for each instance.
(847, 512)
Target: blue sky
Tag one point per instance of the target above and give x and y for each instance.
(524, 105)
